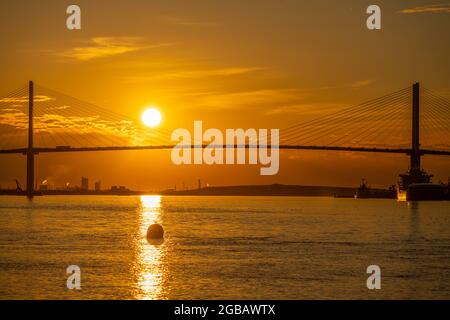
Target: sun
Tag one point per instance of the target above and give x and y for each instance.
(151, 117)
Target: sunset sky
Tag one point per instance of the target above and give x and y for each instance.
(231, 64)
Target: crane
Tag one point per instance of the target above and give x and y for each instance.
(18, 186)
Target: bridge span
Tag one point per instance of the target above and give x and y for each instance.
(349, 130)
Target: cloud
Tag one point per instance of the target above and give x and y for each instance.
(352, 85)
(362, 83)
(305, 109)
(37, 98)
(277, 101)
(59, 108)
(255, 98)
(182, 72)
(223, 72)
(100, 47)
(14, 118)
(432, 8)
(102, 131)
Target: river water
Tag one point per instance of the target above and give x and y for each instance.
(223, 248)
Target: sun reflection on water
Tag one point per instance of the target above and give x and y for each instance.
(150, 270)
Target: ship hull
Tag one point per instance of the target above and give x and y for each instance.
(426, 192)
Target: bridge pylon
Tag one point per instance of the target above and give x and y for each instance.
(415, 173)
(30, 149)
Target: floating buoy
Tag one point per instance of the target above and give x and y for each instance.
(155, 231)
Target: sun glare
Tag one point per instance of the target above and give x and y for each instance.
(151, 117)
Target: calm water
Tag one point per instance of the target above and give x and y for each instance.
(223, 247)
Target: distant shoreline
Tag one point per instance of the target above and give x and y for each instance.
(239, 190)
(267, 190)
(74, 193)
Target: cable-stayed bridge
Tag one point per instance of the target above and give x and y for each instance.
(412, 121)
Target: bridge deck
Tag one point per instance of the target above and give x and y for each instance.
(163, 147)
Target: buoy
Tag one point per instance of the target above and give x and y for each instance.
(155, 231)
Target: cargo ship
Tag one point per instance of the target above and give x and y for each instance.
(365, 192)
(417, 186)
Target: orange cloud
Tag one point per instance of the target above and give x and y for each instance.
(224, 72)
(103, 132)
(37, 98)
(306, 109)
(362, 83)
(432, 8)
(260, 98)
(108, 46)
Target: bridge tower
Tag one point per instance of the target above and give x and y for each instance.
(415, 173)
(415, 144)
(30, 149)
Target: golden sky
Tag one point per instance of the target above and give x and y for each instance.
(258, 64)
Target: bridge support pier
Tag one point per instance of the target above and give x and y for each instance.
(30, 150)
(30, 175)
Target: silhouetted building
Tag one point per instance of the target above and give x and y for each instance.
(84, 184)
(98, 185)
